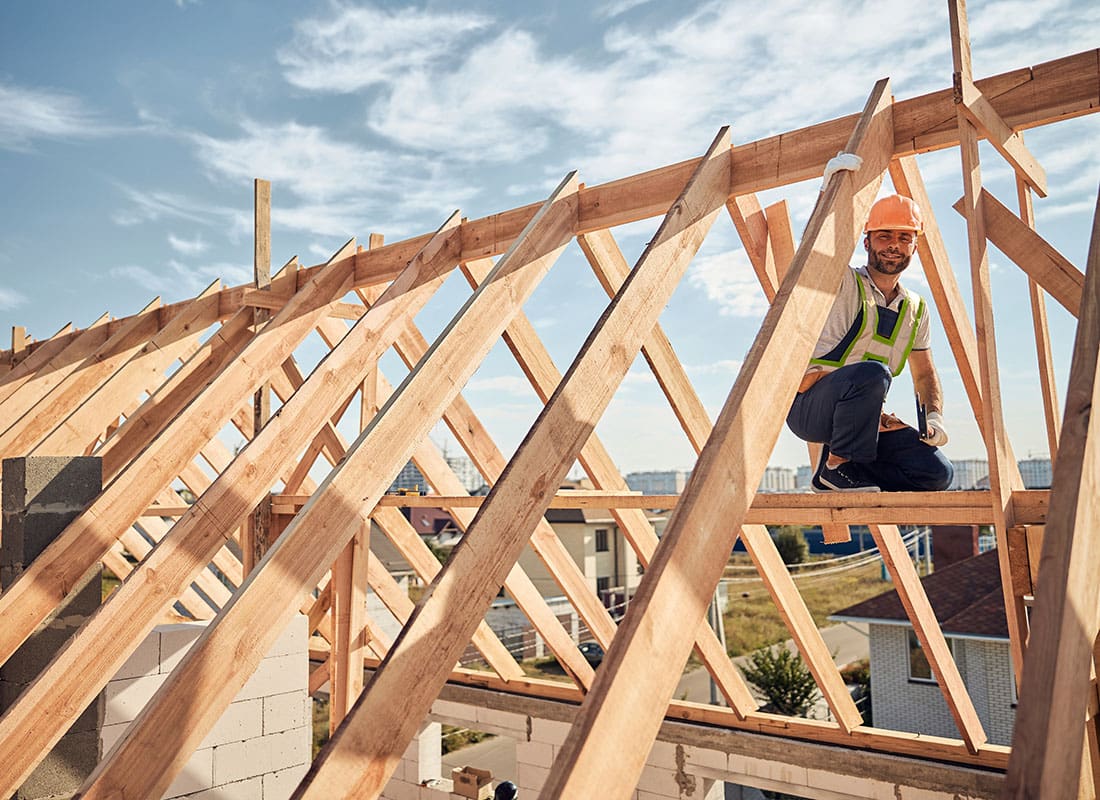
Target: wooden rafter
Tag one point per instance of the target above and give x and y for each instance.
(632, 687)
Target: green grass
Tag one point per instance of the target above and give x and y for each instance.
(752, 620)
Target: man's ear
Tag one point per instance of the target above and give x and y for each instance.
(867, 242)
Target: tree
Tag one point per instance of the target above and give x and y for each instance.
(790, 541)
(783, 678)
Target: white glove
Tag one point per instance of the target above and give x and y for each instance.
(937, 434)
(841, 161)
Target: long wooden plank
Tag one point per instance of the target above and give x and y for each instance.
(1024, 98)
(128, 381)
(417, 553)
(25, 369)
(261, 608)
(48, 579)
(493, 543)
(1031, 252)
(1006, 141)
(607, 746)
(200, 533)
(1047, 386)
(1046, 761)
(607, 261)
(1002, 466)
(22, 395)
(931, 638)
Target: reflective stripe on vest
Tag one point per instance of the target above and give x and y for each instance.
(867, 344)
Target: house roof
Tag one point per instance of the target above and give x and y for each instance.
(966, 597)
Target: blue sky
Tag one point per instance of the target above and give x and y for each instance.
(130, 132)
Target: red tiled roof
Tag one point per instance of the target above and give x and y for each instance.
(966, 597)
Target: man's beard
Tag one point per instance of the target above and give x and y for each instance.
(887, 267)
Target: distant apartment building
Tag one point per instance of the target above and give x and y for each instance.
(1036, 472)
(969, 473)
(777, 479)
(409, 478)
(464, 468)
(802, 477)
(658, 482)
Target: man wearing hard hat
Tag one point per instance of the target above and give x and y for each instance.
(875, 327)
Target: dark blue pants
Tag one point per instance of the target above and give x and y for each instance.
(842, 410)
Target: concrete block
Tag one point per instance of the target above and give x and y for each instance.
(63, 769)
(644, 795)
(282, 712)
(531, 778)
(278, 675)
(143, 661)
(175, 641)
(658, 780)
(506, 723)
(293, 638)
(549, 731)
(775, 771)
(662, 754)
(706, 760)
(197, 775)
(240, 760)
(434, 793)
(251, 789)
(399, 790)
(455, 711)
(537, 754)
(242, 720)
(844, 784)
(126, 698)
(281, 785)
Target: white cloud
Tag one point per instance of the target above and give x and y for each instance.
(502, 385)
(152, 206)
(361, 46)
(725, 366)
(27, 114)
(188, 247)
(175, 279)
(617, 7)
(728, 280)
(10, 299)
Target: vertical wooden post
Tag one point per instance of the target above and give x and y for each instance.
(1001, 467)
(1042, 333)
(349, 585)
(18, 344)
(257, 529)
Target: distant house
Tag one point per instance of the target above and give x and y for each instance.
(598, 546)
(966, 597)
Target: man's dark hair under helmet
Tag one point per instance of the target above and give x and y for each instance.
(506, 791)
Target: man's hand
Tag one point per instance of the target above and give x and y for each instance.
(888, 422)
(937, 434)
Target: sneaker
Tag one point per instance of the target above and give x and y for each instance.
(842, 478)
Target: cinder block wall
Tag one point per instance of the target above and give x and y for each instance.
(260, 748)
(674, 770)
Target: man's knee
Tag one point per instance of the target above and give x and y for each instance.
(941, 474)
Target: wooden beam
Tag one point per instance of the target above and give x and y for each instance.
(19, 374)
(1006, 141)
(313, 540)
(145, 370)
(1003, 470)
(606, 748)
(1047, 386)
(1030, 252)
(1046, 761)
(45, 582)
(495, 540)
(936, 650)
(1024, 98)
(257, 527)
(18, 397)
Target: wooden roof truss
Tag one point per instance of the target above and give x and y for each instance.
(151, 393)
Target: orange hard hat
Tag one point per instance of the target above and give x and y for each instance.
(895, 213)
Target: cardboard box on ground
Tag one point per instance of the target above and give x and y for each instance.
(473, 783)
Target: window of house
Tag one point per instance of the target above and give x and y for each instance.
(601, 540)
(602, 585)
(919, 668)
